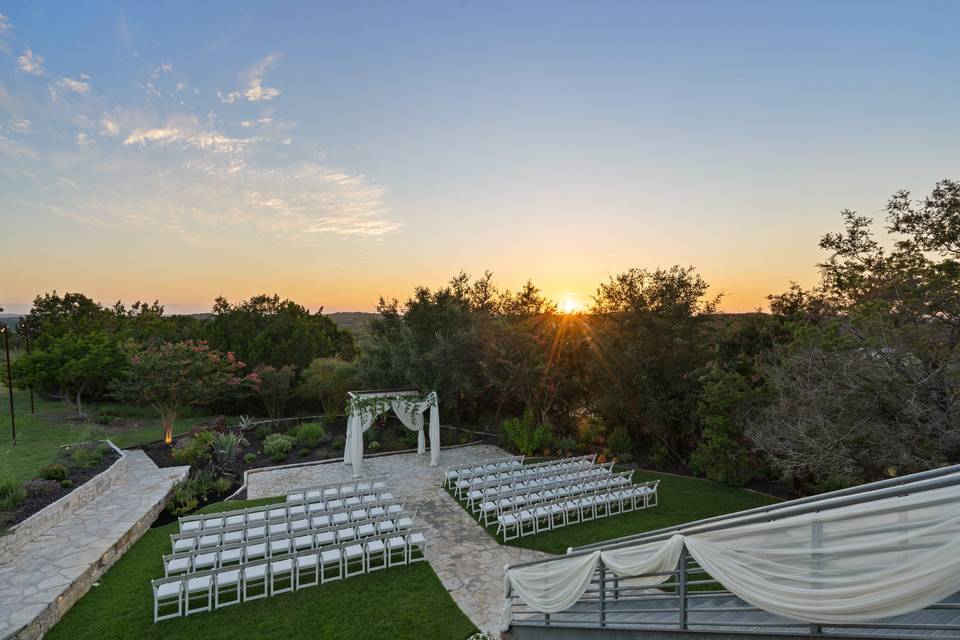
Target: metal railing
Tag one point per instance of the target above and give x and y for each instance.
(688, 599)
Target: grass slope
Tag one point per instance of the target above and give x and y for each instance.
(681, 499)
(41, 434)
(401, 602)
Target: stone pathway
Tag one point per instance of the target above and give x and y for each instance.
(467, 560)
(44, 578)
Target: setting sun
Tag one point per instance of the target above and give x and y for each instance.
(569, 304)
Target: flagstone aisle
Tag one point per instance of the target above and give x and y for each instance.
(42, 579)
(468, 561)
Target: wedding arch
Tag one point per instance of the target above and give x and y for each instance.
(409, 405)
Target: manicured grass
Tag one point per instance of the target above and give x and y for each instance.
(401, 602)
(681, 499)
(41, 434)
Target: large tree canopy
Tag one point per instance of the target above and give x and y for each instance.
(270, 331)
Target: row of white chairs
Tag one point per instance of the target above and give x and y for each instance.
(519, 471)
(536, 470)
(190, 540)
(337, 489)
(266, 513)
(560, 513)
(469, 470)
(260, 549)
(566, 477)
(490, 510)
(226, 586)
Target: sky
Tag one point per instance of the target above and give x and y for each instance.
(338, 152)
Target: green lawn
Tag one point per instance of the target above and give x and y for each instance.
(41, 434)
(401, 602)
(681, 499)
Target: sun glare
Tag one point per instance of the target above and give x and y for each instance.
(569, 304)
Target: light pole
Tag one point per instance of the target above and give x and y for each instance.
(6, 347)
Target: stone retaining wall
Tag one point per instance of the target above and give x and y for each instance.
(32, 527)
(79, 587)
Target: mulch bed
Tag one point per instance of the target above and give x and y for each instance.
(35, 502)
(389, 434)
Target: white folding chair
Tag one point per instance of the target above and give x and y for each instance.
(199, 594)
(167, 593)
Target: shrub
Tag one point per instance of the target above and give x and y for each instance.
(104, 417)
(525, 435)
(250, 458)
(375, 445)
(223, 484)
(87, 456)
(619, 442)
(66, 484)
(39, 488)
(566, 444)
(203, 484)
(57, 472)
(263, 431)
(303, 453)
(12, 494)
(339, 442)
(225, 446)
(184, 498)
(278, 446)
(193, 450)
(310, 434)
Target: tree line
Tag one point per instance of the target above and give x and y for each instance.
(851, 380)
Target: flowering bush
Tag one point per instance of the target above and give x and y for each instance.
(175, 375)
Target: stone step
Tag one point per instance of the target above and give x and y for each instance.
(41, 580)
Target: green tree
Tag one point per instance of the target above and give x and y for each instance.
(173, 376)
(327, 381)
(723, 453)
(275, 388)
(649, 336)
(268, 330)
(868, 385)
(70, 365)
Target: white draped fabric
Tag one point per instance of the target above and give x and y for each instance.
(409, 412)
(849, 564)
(846, 565)
(554, 586)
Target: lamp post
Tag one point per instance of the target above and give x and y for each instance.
(6, 347)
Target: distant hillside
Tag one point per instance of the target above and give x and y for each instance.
(357, 322)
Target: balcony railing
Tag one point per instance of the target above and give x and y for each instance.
(690, 600)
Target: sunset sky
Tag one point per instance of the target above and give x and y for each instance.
(333, 153)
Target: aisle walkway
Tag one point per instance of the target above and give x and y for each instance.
(468, 561)
(43, 579)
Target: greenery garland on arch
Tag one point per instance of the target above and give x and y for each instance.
(371, 407)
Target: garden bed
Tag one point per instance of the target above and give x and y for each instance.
(219, 455)
(385, 436)
(74, 466)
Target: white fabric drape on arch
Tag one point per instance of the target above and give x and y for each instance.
(410, 415)
(851, 564)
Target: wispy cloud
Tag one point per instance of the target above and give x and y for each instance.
(254, 91)
(30, 63)
(74, 85)
(185, 131)
(16, 150)
(5, 25)
(20, 125)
